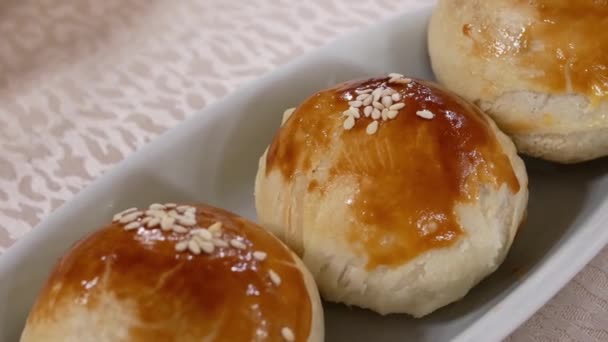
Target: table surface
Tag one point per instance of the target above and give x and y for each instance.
(85, 83)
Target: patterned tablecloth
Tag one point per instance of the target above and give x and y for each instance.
(84, 83)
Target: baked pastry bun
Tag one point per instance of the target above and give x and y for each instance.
(398, 195)
(177, 273)
(537, 67)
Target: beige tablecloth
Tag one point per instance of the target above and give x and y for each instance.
(84, 83)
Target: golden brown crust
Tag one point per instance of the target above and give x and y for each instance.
(411, 173)
(562, 41)
(182, 296)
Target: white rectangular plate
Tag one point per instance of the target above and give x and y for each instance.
(212, 158)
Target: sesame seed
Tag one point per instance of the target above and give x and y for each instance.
(387, 101)
(259, 255)
(194, 247)
(396, 97)
(362, 97)
(377, 93)
(401, 81)
(123, 213)
(367, 111)
(215, 228)
(376, 114)
(372, 128)
(133, 225)
(186, 221)
(395, 75)
(145, 220)
(355, 104)
(153, 222)
(378, 105)
(425, 114)
(154, 212)
(363, 91)
(349, 123)
(170, 205)
(237, 244)
(220, 243)
(179, 229)
(181, 246)
(173, 213)
(156, 206)
(392, 114)
(182, 208)
(287, 334)
(130, 217)
(274, 277)
(388, 92)
(384, 117)
(368, 100)
(167, 222)
(354, 112)
(203, 233)
(397, 106)
(206, 246)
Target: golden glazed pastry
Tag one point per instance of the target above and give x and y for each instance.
(538, 67)
(398, 195)
(177, 273)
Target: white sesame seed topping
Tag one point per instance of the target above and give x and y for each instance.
(376, 114)
(215, 228)
(186, 221)
(401, 81)
(206, 246)
(362, 97)
(391, 114)
(182, 245)
(354, 112)
(397, 106)
(425, 114)
(156, 206)
(363, 91)
(259, 255)
(384, 116)
(287, 334)
(368, 111)
(387, 101)
(173, 213)
(396, 97)
(377, 93)
(237, 244)
(203, 233)
(368, 100)
(395, 75)
(167, 222)
(349, 123)
(220, 243)
(130, 217)
(145, 220)
(378, 105)
(182, 208)
(133, 225)
(170, 205)
(179, 229)
(274, 277)
(155, 212)
(372, 128)
(118, 216)
(153, 222)
(194, 247)
(355, 104)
